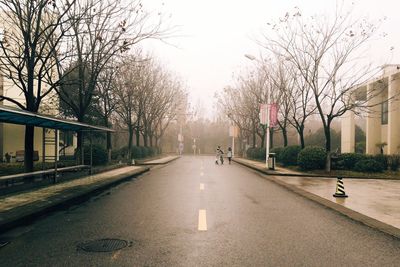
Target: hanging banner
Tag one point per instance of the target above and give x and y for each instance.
(263, 114)
(273, 114)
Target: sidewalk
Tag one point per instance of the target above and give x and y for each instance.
(17, 208)
(373, 202)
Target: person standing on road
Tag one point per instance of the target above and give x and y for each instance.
(217, 152)
(229, 154)
(218, 156)
(221, 157)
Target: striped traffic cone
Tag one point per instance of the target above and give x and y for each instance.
(340, 188)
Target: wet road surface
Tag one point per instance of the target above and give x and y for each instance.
(194, 213)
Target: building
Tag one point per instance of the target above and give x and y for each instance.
(383, 115)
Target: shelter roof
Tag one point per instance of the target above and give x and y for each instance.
(22, 117)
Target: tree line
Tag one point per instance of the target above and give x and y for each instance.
(84, 52)
(310, 66)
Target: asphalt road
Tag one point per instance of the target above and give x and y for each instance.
(248, 221)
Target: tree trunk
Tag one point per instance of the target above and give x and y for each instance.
(108, 137)
(144, 134)
(285, 137)
(137, 136)
(301, 136)
(109, 146)
(28, 154)
(130, 141)
(327, 131)
(254, 137)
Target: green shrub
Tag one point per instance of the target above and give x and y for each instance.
(260, 153)
(136, 152)
(383, 160)
(145, 151)
(99, 155)
(121, 153)
(394, 162)
(153, 151)
(250, 153)
(289, 155)
(278, 153)
(347, 161)
(368, 165)
(312, 158)
(115, 154)
(256, 153)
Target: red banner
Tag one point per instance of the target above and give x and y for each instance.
(273, 115)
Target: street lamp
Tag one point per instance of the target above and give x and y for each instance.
(253, 58)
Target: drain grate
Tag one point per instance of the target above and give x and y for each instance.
(103, 245)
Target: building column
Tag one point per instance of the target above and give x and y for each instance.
(373, 129)
(348, 133)
(393, 115)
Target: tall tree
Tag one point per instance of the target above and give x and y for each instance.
(326, 53)
(108, 29)
(33, 31)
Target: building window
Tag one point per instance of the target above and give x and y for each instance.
(384, 115)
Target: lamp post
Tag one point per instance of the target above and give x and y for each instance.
(253, 58)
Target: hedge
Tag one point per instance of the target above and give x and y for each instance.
(99, 155)
(312, 158)
(346, 161)
(289, 155)
(394, 162)
(278, 153)
(383, 160)
(256, 153)
(368, 165)
(137, 152)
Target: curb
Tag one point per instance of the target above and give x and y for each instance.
(158, 163)
(310, 175)
(364, 219)
(26, 214)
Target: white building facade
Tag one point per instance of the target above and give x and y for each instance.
(383, 116)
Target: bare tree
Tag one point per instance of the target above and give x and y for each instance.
(33, 31)
(106, 86)
(108, 29)
(126, 96)
(326, 53)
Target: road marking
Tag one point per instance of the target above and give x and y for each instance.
(202, 220)
(201, 186)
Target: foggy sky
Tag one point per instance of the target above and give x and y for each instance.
(215, 35)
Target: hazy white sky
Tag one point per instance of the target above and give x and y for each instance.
(217, 34)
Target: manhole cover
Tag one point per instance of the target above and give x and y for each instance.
(103, 245)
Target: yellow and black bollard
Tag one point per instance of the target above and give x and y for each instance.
(340, 188)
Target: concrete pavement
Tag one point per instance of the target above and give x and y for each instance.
(19, 208)
(373, 202)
